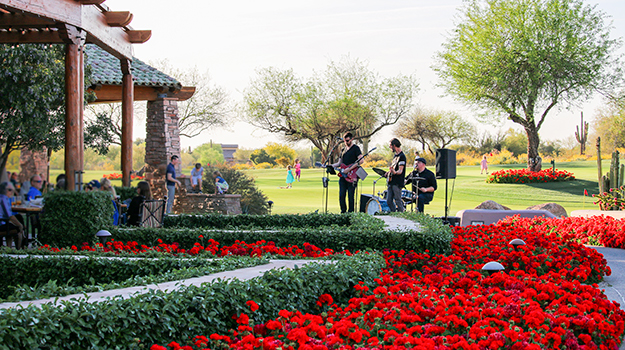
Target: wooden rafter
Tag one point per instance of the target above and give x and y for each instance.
(118, 18)
(91, 2)
(19, 20)
(113, 93)
(139, 36)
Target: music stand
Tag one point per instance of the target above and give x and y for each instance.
(325, 180)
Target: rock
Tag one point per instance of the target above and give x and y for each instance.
(553, 208)
(492, 205)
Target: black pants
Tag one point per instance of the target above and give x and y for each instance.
(9, 226)
(347, 188)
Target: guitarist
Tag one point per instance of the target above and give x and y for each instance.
(351, 157)
(395, 177)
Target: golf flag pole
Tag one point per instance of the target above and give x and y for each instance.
(585, 194)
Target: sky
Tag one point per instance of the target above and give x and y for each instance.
(232, 39)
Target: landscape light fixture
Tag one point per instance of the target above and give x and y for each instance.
(516, 243)
(103, 235)
(492, 267)
(270, 204)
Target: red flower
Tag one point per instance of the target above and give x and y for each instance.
(252, 305)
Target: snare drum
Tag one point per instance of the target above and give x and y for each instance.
(376, 205)
(407, 196)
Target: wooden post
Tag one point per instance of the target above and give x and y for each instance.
(74, 98)
(127, 116)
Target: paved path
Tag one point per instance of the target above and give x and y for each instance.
(125, 293)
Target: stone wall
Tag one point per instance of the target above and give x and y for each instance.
(200, 203)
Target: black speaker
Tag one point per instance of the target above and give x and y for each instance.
(445, 163)
(364, 198)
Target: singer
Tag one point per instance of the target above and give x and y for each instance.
(352, 158)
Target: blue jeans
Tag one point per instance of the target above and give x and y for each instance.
(424, 198)
(393, 198)
(171, 193)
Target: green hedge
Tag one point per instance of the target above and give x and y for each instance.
(159, 317)
(434, 236)
(259, 221)
(72, 271)
(125, 192)
(61, 276)
(71, 218)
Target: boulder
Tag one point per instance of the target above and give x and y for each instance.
(491, 205)
(553, 208)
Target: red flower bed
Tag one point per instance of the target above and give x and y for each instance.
(439, 302)
(524, 176)
(597, 230)
(118, 176)
(240, 248)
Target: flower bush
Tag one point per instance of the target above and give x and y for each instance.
(445, 302)
(523, 176)
(614, 199)
(118, 176)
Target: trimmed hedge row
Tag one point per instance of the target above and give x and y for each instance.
(76, 272)
(434, 237)
(259, 221)
(70, 218)
(158, 317)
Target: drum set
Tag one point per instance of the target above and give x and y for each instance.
(378, 204)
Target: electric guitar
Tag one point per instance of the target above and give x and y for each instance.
(351, 175)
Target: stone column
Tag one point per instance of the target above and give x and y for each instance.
(32, 163)
(162, 142)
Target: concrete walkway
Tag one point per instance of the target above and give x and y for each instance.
(125, 293)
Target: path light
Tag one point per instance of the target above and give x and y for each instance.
(103, 235)
(492, 267)
(516, 243)
(270, 204)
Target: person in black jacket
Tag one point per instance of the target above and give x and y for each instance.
(134, 208)
(426, 188)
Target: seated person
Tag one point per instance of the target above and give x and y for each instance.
(11, 224)
(221, 186)
(196, 177)
(93, 185)
(134, 208)
(107, 186)
(35, 188)
(426, 188)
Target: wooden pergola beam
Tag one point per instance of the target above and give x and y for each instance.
(91, 2)
(92, 19)
(118, 18)
(20, 20)
(113, 93)
(139, 36)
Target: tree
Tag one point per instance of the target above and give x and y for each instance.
(435, 129)
(209, 153)
(261, 156)
(346, 97)
(32, 91)
(609, 124)
(277, 151)
(515, 142)
(208, 107)
(519, 59)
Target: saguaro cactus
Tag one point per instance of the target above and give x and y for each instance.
(582, 135)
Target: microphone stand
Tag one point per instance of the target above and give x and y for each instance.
(325, 180)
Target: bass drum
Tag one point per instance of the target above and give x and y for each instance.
(376, 205)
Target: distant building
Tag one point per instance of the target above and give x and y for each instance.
(228, 151)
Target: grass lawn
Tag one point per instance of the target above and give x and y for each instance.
(469, 189)
(465, 192)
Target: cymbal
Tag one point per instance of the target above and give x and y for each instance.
(379, 171)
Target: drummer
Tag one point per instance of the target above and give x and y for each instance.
(424, 183)
(395, 177)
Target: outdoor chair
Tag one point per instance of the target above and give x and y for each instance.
(152, 213)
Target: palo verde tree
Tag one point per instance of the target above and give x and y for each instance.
(347, 96)
(32, 91)
(520, 59)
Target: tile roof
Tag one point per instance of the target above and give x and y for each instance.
(106, 70)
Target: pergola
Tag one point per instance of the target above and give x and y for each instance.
(75, 23)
